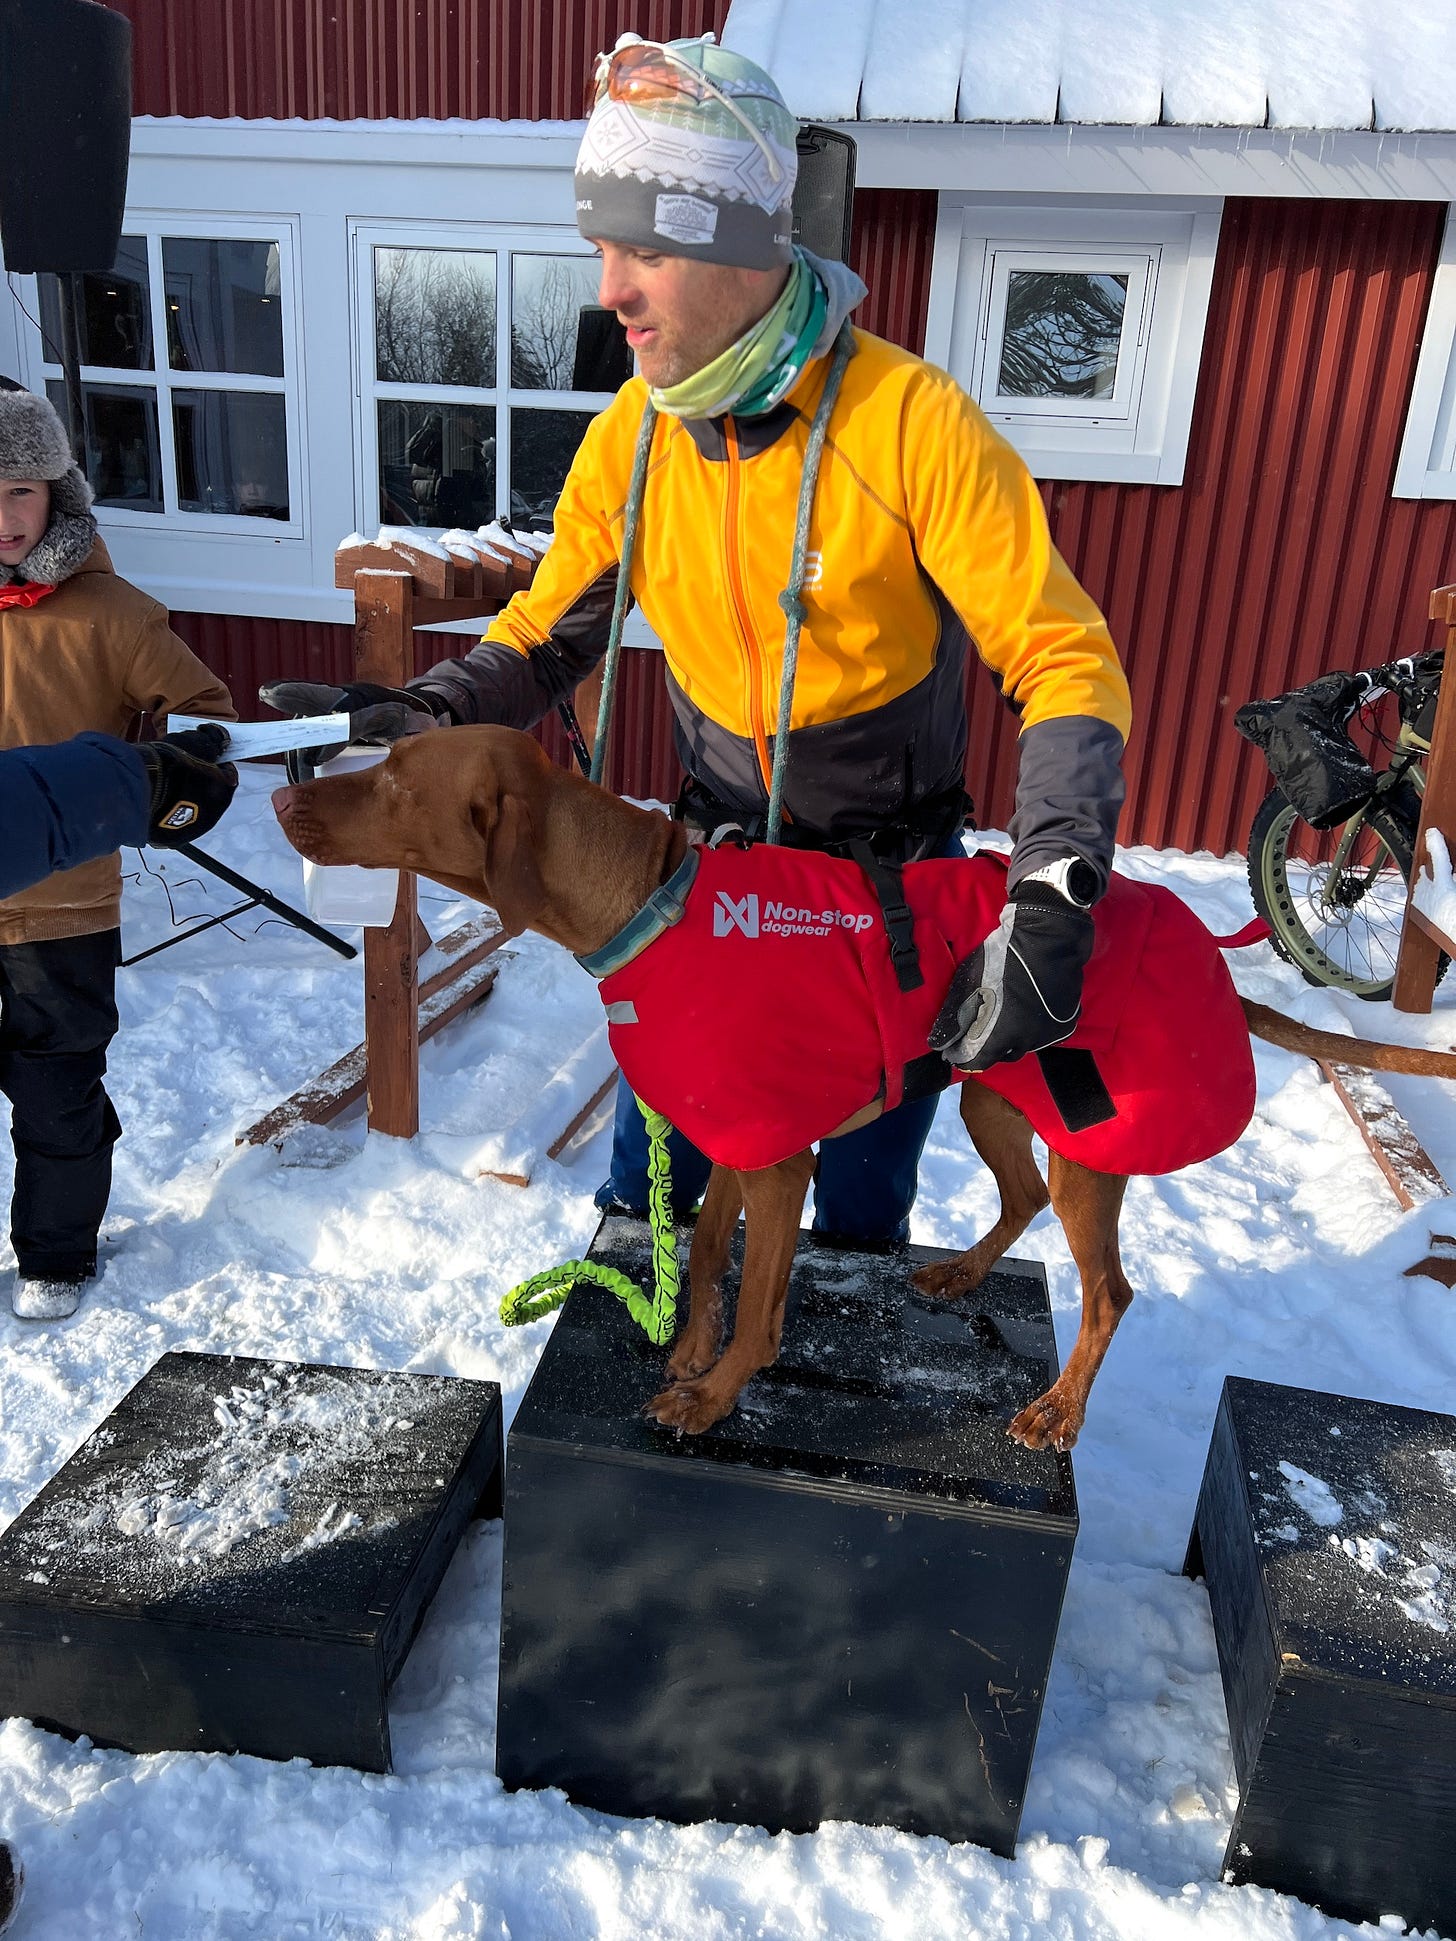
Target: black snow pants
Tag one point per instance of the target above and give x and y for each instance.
(57, 1017)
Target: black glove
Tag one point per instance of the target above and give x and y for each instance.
(1020, 990)
(377, 714)
(190, 787)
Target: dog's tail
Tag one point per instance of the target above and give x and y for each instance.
(1332, 1046)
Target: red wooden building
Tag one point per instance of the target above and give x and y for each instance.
(1235, 263)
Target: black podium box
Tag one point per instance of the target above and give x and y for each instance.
(838, 1604)
(239, 1558)
(1326, 1531)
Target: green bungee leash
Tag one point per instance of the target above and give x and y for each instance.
(543, 1292)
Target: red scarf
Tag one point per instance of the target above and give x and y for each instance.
(23, 593)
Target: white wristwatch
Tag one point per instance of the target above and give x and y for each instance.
(1070, 876)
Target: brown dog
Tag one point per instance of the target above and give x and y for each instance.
(483, 811)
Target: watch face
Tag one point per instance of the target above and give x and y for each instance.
(1082, 883)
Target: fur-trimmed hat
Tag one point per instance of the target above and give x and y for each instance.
(33, 441)
(34, 445)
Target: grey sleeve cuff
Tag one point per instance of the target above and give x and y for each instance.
(1069, 791)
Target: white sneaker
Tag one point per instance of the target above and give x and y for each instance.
(37, 1300)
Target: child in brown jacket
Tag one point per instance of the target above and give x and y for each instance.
(80, 649)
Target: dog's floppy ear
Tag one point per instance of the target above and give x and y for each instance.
(512, 879)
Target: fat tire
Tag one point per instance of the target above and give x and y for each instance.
(1392, 821)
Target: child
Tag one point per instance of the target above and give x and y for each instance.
(80, 650)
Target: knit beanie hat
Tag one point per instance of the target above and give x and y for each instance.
(34, 445)
(659, 170)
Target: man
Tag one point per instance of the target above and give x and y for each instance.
(927, 535)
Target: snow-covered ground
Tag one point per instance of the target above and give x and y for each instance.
(1281, 1259)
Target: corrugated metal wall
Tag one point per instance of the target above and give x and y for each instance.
(405, 59)
(1281, 555)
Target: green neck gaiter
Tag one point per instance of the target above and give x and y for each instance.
(753, 374)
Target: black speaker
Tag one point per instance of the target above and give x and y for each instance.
(65, 133)
(824, 192)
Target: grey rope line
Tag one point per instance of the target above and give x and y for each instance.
(624, 579)
(789, 599)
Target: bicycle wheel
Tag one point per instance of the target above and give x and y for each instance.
(1336, 908)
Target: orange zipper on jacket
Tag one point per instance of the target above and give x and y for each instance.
(741, 611)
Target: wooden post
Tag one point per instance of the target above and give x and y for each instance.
(1420, 952)
(384, 652)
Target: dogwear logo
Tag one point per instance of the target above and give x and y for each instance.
(730, 915)
(686, 219)
(778, 919)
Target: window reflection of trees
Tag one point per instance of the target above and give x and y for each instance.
(434, 317)
(547, 296)
(1061, 335)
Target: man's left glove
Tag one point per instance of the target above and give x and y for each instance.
(190, 787)
(1020, 990)
(377, 714)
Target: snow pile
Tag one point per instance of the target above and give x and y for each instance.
(1327, 64)
(1434, 894)
(1280, 1260)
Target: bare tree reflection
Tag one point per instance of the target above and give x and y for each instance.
(434, 317)
(1062, 334)
(547, 299)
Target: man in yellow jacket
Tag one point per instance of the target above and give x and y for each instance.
(927, 541)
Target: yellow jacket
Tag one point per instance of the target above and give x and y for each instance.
(927, 536)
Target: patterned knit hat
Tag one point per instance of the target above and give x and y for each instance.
(678, 170)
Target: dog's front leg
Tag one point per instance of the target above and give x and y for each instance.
(773, 1200)
(1087, 1204)
(696, 1349)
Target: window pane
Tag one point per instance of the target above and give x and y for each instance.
(223, 306)
(123, 452)
(232, 453)
(543, 444)
(436, 464)
(1062, 335)
(434, 317)
(548, 295)
(115, 323)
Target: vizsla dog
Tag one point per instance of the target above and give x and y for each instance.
(483, 811)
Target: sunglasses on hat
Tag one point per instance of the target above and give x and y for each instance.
(649, 70)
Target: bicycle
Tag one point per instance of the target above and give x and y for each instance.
(1332, 846)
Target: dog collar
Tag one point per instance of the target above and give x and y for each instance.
(660, 912)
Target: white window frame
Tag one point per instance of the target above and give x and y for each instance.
(152, 226)
(502, 240)
(1426, 467)
(1166, 248)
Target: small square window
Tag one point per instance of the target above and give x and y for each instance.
(1077, 328)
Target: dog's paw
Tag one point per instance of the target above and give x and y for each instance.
(943, 1280)
(693, 1355)
(689, 1407)
(1052, 1421)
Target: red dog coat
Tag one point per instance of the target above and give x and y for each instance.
(770, 1012)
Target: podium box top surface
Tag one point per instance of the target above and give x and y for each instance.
(250, 1495)
(876, 1387)
(1353, 1516)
